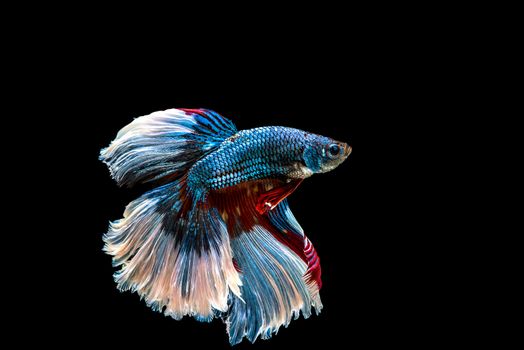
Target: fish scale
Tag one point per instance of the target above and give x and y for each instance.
(255, 154)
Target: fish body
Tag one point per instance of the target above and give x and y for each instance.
(216, 237)
(271, 152)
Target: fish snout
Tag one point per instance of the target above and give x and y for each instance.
(347, 149)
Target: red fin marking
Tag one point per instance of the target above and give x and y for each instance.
(236, 205)
(235, 264)
(270, 199)
(192, 111)
(313, 270)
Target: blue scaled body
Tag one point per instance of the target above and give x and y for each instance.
(261, 153)
(215, 237)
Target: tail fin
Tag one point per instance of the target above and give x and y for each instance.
(163, 145)
(173, 251)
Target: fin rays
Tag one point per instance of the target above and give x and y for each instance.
(268, 247)
(176, 276)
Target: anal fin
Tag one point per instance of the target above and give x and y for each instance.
(278, 271)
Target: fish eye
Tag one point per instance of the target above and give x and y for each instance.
(334, 150)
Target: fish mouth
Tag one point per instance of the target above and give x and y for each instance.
(347, 149)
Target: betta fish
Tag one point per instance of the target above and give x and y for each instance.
(215, 236)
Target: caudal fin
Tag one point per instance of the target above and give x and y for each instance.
(174, 252)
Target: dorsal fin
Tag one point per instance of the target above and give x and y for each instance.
(163, 145)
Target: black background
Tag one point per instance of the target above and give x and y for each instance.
(363, 217)
(412, 88)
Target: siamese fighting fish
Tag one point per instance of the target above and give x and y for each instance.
(214, 236)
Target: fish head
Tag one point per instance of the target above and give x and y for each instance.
(323, 154)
